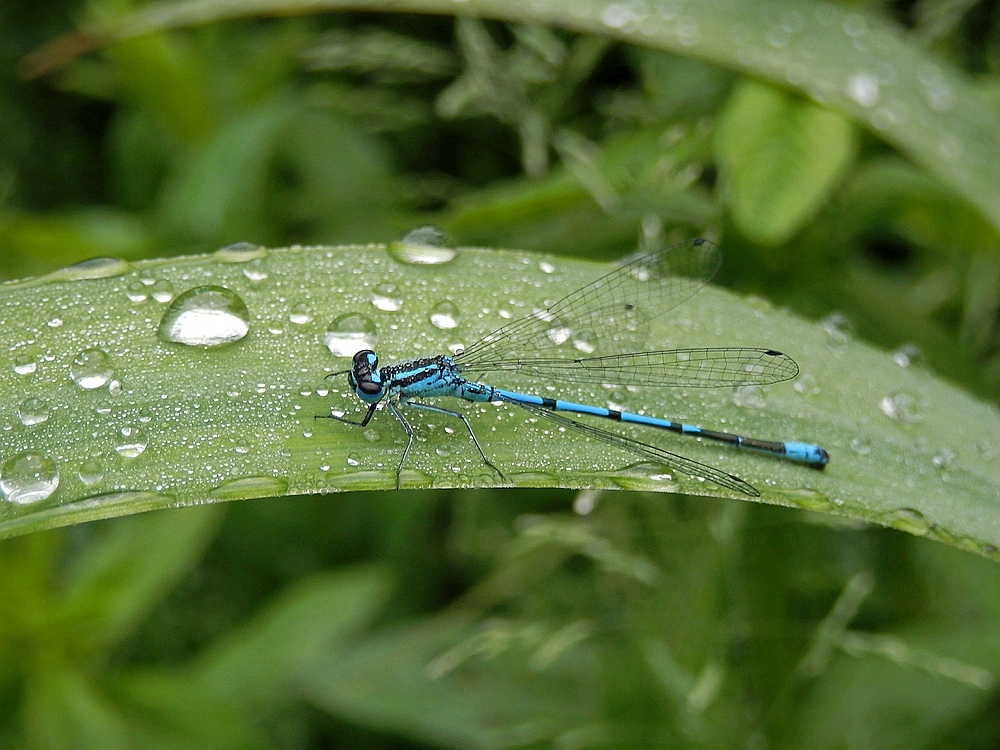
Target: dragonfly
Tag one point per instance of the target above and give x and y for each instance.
(548, 346)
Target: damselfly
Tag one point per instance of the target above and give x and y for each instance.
(613, 311)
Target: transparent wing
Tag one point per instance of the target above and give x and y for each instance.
(658, 455)
(609, 314)
(706, 368)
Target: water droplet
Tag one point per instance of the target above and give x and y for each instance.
(55, 323)
(445, 315)
(688, 32)
(907, 519)
(300, 314)
(162, 290)
(25, 364)
(91, 369)
(838, 329)
(353, 459)
(28, 477)
(255, 271)
(749, 397)
(943, 458)
(428, 235)
(240, 252)
(90, 472)
(909, 355)
(586, 501)
(902, 407)
(349, 334)
(855, 25)
(937, 90)
(425, 245)
(137, 292)
(33, 411)
(95, 268)
(372, 435)
(863, 89)
(986, 450)
(277, 327)
(806, 385)
(778, 37)
(583, 341)
(807, 499)
(546, 267)
(131, 441)
(624, 15)
(558, 334)
(205, 316)
(385, 297)
(861, 445)
(250, 487)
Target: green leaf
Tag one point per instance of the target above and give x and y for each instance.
(108, 414)
(779, 157)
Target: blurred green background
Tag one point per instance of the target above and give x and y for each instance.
(499, 619)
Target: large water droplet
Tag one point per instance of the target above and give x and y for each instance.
(33, 411)
(28, 477)
(428, 235)
(386, 297)
(91, 369)
(445, 315)
(300, 314)
(95, 268)
(131, 441)
(240, 252)
(25, 364)
(255, 271)
(425, 245)
(349, 334)
(162, 290)
(137, 292)
(205, 316)
(902, 407)
(90, 472)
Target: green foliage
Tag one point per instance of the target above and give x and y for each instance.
(852, 177)
(779, 159)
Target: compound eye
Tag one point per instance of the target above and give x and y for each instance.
(366, 359)
(369, 387)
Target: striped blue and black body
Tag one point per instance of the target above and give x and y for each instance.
(615, 306)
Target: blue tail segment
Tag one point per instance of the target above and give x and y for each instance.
(803, 453)
(613, 312)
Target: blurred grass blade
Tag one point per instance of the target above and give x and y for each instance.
(128, 388)
(415, 681)
(114, 583)
(854, 63)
